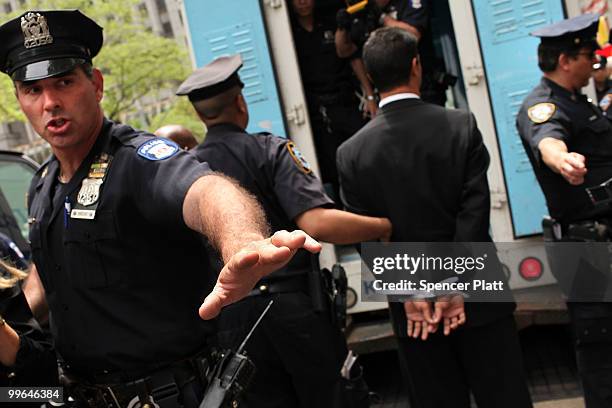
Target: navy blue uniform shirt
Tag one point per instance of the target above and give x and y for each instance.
(123, 288)
(553, 111)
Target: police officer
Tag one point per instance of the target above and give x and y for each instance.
(328, 84)
(569, 144)
(114, 220)
(413, 16)
(296, 348)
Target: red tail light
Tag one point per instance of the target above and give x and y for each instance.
(531, 269)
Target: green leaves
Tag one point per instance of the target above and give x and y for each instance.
(140, 68)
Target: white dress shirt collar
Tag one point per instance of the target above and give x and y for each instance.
(397, 97)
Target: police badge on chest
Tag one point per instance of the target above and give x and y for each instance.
(89, 194)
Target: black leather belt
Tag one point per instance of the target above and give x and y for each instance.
(162, 386)
(298, 283)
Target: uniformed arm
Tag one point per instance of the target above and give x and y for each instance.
(22, 341)
(371, 108)
(555, 155)
(342, 227)
(235, 224)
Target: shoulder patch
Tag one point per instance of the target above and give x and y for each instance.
(541, 112)
(158, 149)
(298, 158)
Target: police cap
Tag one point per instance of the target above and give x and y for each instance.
(574, 32)
(41, 44)
(212, 79)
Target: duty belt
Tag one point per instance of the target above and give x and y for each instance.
(599, 230)
(297, 283)
(160, 388)
(335, 98)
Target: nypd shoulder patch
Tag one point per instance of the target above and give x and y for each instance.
(158, 149)
(541, 112)
(299, 158)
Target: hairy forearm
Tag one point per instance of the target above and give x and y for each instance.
(9, 345)
(342, 227)
(217, 207)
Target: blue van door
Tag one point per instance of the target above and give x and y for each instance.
(511, 66)
(223, 27)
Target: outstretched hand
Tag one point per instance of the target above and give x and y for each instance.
(250, 264)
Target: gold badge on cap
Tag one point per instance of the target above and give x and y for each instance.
(35, 30)
(541, 112)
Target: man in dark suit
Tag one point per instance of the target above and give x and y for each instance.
(424, 167)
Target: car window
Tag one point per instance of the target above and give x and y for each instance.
(15, 177)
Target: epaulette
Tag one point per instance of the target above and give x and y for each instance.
(43, 167)
(129, 136)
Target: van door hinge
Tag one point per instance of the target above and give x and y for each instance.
(475, 74)
(274, 3)
(296, 114)
(498, 199)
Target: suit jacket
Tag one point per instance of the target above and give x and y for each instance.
(425, 168)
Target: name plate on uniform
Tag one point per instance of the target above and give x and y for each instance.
(83, 214)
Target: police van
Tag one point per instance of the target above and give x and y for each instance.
(485, 44)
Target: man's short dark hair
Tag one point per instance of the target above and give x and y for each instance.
(87, 68)
(216, 106)
(388, 56)
(548, 54)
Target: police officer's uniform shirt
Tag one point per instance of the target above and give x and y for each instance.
(552, 111)
(272, 169)
(123, 288)
(417, 14)
(323, 72)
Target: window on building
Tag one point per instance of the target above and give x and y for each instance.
(161, 6)
(167, 29)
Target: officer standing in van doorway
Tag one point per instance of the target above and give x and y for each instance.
(333, 106)
(414, 16)
(569, 144)
(297, 351)
(117, 218)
